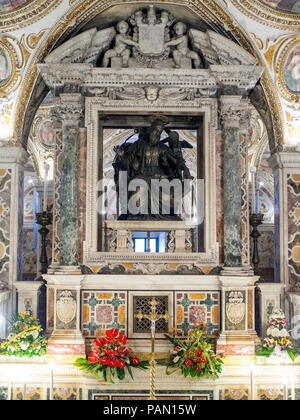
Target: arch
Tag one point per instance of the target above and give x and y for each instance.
(33, 89)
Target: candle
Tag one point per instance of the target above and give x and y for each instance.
(252, 383)
(24, 391)
(46, 166)
(285, 389)
(253, 195)
(9, 390)
(51, 380)
(292, 380)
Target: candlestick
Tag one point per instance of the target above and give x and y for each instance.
(9, 390)
(256, 219)
(51, 380)
(46, 167)
(44, 219)
(285, 388)
(252, 379)
(292, 380)
(253, 195)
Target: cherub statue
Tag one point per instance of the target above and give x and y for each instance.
(182, 50)
(122, 42)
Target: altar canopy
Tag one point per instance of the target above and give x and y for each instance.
(148, 186)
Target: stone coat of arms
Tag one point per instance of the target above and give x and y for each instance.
(235, 307)
(66, 307)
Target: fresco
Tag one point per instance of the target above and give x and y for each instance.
(47, 134)
(9, 5)
(286, 5)
(4, 66)
(291, 71)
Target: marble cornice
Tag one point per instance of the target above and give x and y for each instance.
(12, 154)
(282, 160)
(85, 75)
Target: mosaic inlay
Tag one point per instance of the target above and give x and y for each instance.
(101, 311)
(293, 186)
(196, 307)
(5, 191)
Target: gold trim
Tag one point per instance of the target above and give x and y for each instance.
(268, 16)
(27, 14)
(288, 94)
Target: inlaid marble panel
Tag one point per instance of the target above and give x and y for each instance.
(103, 310)
(237, 393)
(270, 394)
(293, 187)
(245, 201)
(5, 197)
(197, 307)
(65, 393)
(56, 196)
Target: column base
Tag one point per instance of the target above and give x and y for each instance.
(237, 344)
(66, 344)
(246, 270)
(64, 269)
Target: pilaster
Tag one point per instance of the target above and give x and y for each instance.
(286, 169)
(12, 160)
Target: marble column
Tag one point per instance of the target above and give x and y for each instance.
(233, 109)
(71, 108)
(238, 336)
(12, 160)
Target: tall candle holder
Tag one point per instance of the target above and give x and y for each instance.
(256, 219)
(44, 219)
(153, 317)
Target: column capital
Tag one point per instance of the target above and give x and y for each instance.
(284, 160)
(68, 108)
(234, 110)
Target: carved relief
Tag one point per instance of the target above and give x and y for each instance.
(235, 307)
(151, 43)
(66, 306)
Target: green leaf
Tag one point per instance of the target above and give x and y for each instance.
(104, 373)
(120, 373)
(129, 371)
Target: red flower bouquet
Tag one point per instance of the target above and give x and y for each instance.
(110, 357)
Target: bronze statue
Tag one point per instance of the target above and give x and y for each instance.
(150, 158)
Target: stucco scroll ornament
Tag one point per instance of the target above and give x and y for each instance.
(66, 307)
(235, 307)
